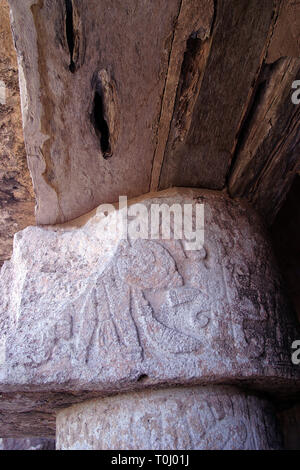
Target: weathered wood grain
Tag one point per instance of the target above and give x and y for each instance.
(268, 154)
(78, 156)
(285, 41)
(199, 149)
(195, 18)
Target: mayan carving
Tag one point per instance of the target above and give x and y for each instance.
(206, 418)
(149, 185)
(105, 309)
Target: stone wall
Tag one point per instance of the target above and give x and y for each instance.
(16, 192)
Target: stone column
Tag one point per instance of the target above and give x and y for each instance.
(88, 313)
(174, 418)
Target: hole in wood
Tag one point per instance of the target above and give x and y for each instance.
(99, 122)
(70, 33)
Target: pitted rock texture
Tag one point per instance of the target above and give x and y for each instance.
(209, 418)
(16, 192)
(83, 311)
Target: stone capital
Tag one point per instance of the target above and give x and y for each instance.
(86, 312)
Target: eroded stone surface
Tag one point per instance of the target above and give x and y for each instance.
(83, 311)
(16, 192)
(186, 418)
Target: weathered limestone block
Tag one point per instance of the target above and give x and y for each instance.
(84, 311)
(92, 81)
(184, 418)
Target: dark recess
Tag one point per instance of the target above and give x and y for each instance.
(70, 33)
(285, 233)
(143, 378)
(100, 124)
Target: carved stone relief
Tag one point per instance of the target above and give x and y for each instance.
(89, 312)
(186, 418)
